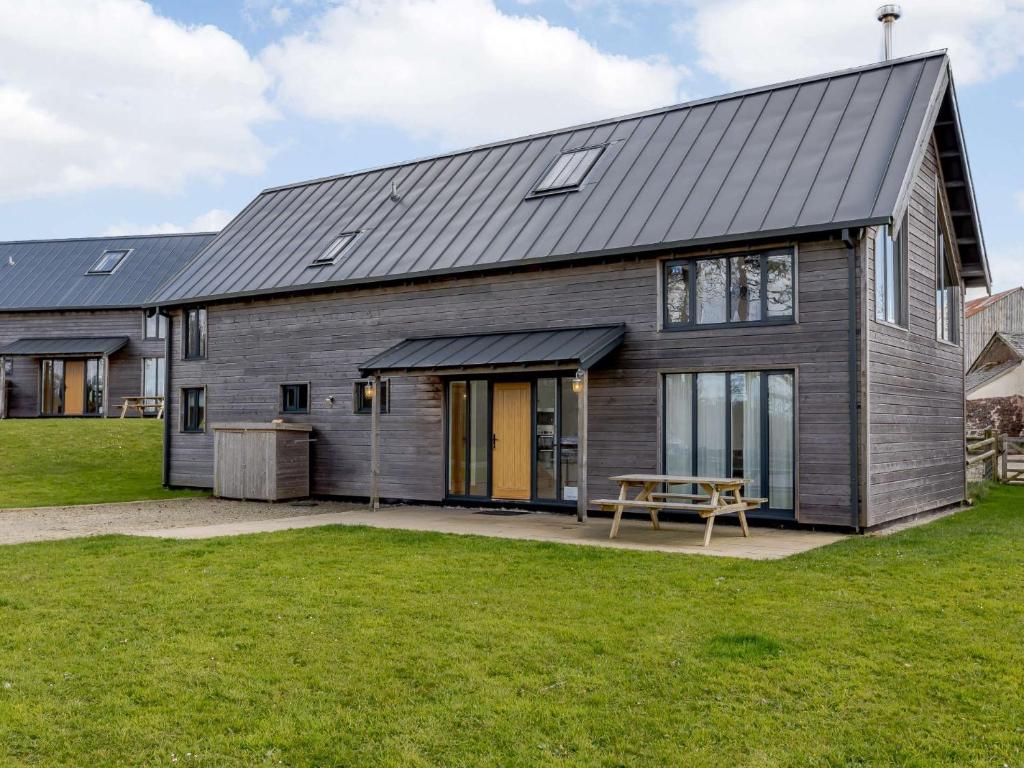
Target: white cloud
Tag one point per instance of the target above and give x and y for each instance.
(752, 42)
(106, 93)
(459, 70)
(213, 220)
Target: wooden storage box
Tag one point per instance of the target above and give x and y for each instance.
(257, 461)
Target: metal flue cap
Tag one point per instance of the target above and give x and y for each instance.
(889, 11)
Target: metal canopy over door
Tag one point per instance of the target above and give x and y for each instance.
(74, 387)
(511, 452)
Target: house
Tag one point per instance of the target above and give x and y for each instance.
(995, 386)
(766, 284)
(74, 339)
(999, 313)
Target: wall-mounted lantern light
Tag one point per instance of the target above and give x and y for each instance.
(577, 382)
(368, 390)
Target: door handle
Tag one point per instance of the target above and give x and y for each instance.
(494, 440)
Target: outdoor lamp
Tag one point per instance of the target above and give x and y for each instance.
(577, 382)
(368, 390)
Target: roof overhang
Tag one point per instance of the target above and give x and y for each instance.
(101, 346)
(509, 351)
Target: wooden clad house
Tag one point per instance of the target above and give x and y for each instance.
(986, 316)
(74, 338)
(765, 284)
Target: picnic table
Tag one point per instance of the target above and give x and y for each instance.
(143, 403)
(720, 496)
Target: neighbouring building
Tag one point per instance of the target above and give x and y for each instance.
(74, 338)
(995, 386)
(999, 313)
(765, 284)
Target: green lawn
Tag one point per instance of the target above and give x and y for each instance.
(361, 647)
(47, 462)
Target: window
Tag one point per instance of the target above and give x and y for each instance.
(734, 424)
(947, 289)
(193, 410)
(194, 333)
(109, 261)
(569, 170)
(156, 326)
(889, 276)
(556, 436)
(469, 438)
(72, 387)
(363, 394)
(752, 288)
(153, 378)
(334, 250)
(295, 398)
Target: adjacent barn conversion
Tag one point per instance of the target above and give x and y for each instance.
(74, 338)
(763, 285)
(984, 317)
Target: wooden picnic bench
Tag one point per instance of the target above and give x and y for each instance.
(143, 403)
(722, 496)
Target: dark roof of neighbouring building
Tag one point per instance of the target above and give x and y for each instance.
(54, 274)
(974, 306)
(576, 347)
(811, 155)
(1003, 353)
(64, 346)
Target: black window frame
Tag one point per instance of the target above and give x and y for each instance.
(299, 386)
(538, 190)
(690, 262)
(946, 293)
(95, 268)
(897, 281)
(187, 409)
(161, 322)
(361, 404)
(335, 249)
(193, 331)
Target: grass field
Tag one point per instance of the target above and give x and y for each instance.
(360, 647)
(47, 462)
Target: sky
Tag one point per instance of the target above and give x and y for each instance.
(129, 117)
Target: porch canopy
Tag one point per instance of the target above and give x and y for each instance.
(498, 352)
(97, 346)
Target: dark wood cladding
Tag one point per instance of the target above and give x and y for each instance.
(125, 365)
(916, 383)
(254, 346)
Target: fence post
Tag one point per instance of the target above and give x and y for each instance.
(990, 434)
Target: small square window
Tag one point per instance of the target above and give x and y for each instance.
(156, 326)
(109, 261)
(363, 394)
(334, 250)
(193, 410)
(295, 398)
(569, 170)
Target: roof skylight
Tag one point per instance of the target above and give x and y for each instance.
(334, 250)
(109, 261)
(569, 170)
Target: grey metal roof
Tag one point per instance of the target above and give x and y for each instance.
(52, 274)
(64, 347)
(578, 347)
(817, 154)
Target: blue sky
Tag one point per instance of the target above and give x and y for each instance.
(120, 116)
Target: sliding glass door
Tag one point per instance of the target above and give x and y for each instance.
(734, 424)
(71, 387)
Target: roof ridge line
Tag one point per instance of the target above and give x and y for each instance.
(101, 237)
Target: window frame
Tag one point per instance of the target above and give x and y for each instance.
(536, 191)
(898, 282)
(184, 407)
(202, 337)
(95, 268)
(145, 326)
(666, 323)
(359, 403)
(282, 402)
(335, 250)
(944, 263)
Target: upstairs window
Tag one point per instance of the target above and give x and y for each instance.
(334, 250)
(109, 261)
(363, 394)
(890, 276)
(194, 333)
(947, 291)
(193, 410)
(156, 326)
(295, 398)
(569, 170)
(746, 289)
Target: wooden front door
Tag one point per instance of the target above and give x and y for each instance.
(510, 459)
(74, 387)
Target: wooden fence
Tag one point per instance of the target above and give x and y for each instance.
(991, 456)
(1011, 450)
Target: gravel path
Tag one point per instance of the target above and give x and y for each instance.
(49, 523)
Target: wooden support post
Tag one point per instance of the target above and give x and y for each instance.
(990, 434)
(3, 388)
(375, 444)
(581, 451)
(106, 387)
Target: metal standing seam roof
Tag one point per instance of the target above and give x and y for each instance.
(100, 346)
(581, 347)
(53, 274)
(817, 154)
